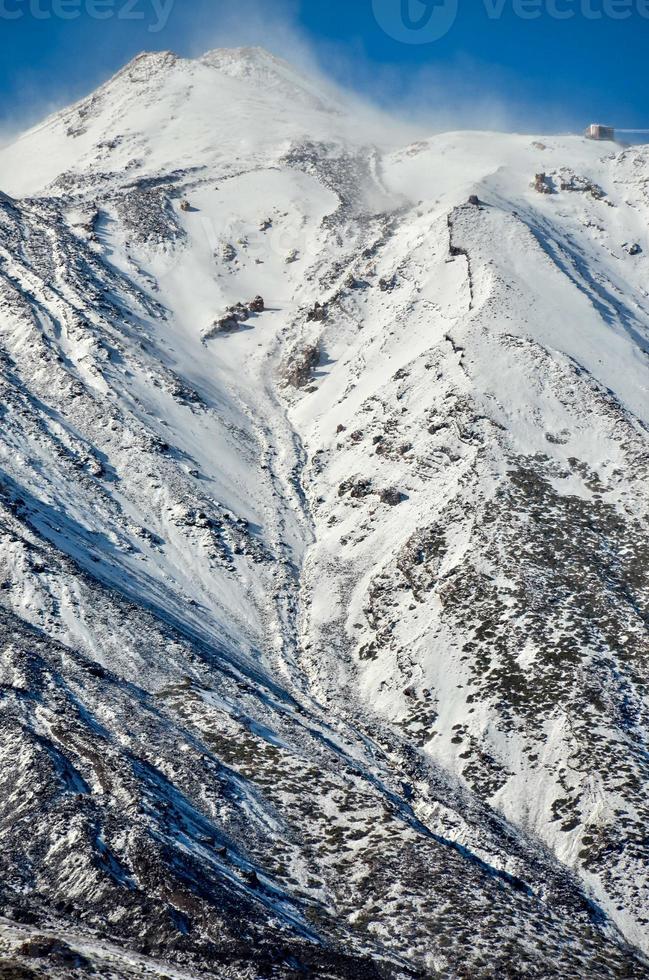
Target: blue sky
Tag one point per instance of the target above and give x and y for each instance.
(527, 64)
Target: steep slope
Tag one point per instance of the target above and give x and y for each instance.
(498, 612)
(230, 110)
(324, 642)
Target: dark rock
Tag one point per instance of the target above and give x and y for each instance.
(225, 324)
(228, 252)
(572, 182)
(632, 249)
(317, 314)
(475, 201)
(55, 951)
(392, 497)
(356, 487)
(543, 184)
(10, 969)
(351, 282)
(239, 311)
(386, 285)
(257, 305)
(233, 317)
(299, 367)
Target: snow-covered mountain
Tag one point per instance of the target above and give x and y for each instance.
(324, 540)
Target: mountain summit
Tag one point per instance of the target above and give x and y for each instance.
(162, 113)
(324, 540)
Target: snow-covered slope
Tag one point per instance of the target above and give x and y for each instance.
(325, 622)
(230, 110)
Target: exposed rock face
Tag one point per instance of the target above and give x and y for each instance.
(257, 305)
(543, 184)
(387, 284)
(570, 181)
(356, 487)
(392, 497)
(317, 314)
(234, 316)
(300, 365)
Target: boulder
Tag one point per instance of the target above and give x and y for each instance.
(300, 365)
(356, 487)
(543, 184)
(392, 497)
(239, 312)
(257, 305)
(317, 314)
(223, 324)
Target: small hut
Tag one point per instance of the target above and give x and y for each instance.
(597, 132)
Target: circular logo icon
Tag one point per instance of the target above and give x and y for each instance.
(415, 21)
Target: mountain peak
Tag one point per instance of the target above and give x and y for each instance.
(262, 68)
(161, 108)
(145, 64)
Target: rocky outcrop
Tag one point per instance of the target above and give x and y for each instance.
(300, 365)
(392, 496)
(356, 487)
(318, 313)
(543, 184)
(234, 317)
(256, 305)
(570, 181)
